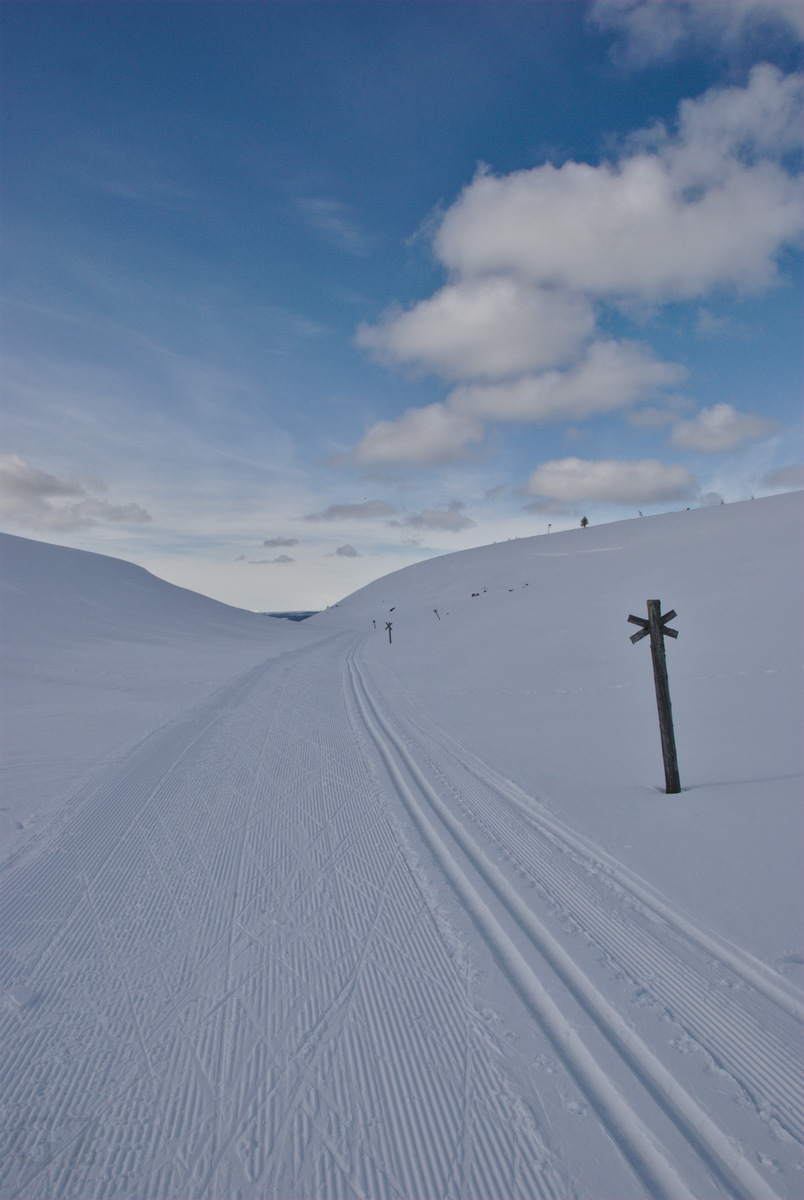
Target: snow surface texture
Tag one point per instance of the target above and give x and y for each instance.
(298, 912)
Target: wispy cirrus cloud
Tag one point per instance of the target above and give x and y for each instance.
(649, 31)
(337, 223)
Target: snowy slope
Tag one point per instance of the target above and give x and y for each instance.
(96, 652)
(415, 919)
(536, 674)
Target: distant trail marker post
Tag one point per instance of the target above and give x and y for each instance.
(656, 627)
(388, 626)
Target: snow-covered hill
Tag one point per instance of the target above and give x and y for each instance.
(95, 653)
(297, 911)
(529, 663)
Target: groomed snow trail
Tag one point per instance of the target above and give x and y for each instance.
(739, 1020)
(265, 954)
(223, 977)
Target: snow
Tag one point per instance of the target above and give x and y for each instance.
(96, 652)
(293, 911)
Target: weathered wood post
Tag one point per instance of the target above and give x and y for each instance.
(656, 627)
(388, 627)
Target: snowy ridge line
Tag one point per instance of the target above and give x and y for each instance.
(626, 1127)
(751, 970)
(756, 1052)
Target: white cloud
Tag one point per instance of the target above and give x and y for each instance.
(650, 417)
(786, 478)
(420, 437)
(645, 482)
(336, 222)
(709, 326)
(533, 254)
(720, 428)
(347, 552)
(489, 328)
(662, 30)
(676, 217)
(262, 562)
(30, 498)
(367, 510)
(448, 519)
(612, 375)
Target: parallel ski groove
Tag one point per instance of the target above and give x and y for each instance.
(259, 962)
(757, 1058)
(701, 1132)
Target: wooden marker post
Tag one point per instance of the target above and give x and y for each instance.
(656, 627)
(388, 627)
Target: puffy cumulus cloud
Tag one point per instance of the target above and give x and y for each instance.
(277, 542)
(611, 375)
(366, 511)
(677, 216)
(534, 255)
(490, 328)
(420, 437)
(33, 499)
(647, 481)
(662, 30)
(720, 428)
(347, 552)
(673, 409)
(448, 519)
(786, 479)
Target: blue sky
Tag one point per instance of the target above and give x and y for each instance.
(296, 294)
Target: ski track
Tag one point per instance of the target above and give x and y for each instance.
(222, 976)
(743, 1018)
(228, 970)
